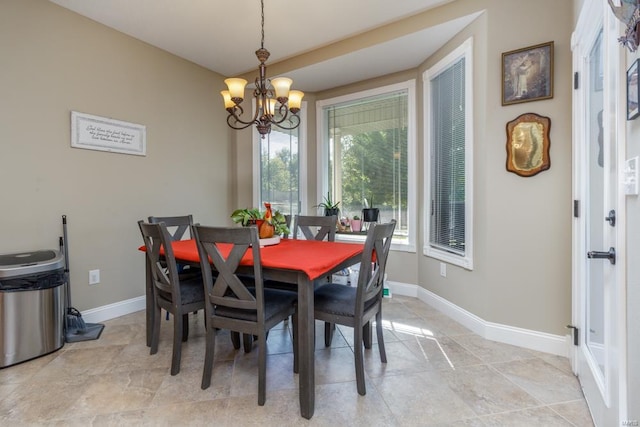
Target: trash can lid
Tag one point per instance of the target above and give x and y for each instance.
(24, 263)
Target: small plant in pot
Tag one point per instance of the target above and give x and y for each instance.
(330, 207)
(369, 213)
(356, 224)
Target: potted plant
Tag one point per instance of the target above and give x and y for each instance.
(356, 224)
(330, 207)
(369, 213)
(253, 216)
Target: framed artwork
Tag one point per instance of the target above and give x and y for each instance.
(105, 134)
(528, 144)
(632, 91)
(527, 74)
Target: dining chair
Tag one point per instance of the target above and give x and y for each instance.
(176, 294)
(315, 227)
(287, 221)
(247, 340)
(310, 228)
(356, 306)
(231, 303)
(177, 226)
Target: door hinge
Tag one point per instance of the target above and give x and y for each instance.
(575, 332)
(576, 80)
(576, 208)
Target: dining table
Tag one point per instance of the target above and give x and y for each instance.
(298, 262)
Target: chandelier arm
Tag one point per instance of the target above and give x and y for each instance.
(233, 125)
(285, 114)
(293, 126)
(233, 115)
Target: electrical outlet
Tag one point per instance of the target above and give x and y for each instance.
(443, 269)
(94, 277)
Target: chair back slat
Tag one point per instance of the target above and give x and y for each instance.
(374, 262)
(164, 271)
(228, 290)
(177, 226)
(315, 227)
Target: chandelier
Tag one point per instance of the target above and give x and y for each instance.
(275, 103)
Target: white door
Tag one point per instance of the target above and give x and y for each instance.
(596, 305)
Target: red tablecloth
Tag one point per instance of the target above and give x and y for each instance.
(313, 257)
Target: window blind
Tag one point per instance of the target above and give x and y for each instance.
(447, 230)
(368, 145)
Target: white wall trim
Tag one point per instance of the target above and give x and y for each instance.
(533, 340)
(111, 311)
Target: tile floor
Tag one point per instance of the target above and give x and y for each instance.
(438, 374)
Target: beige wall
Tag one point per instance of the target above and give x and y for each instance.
(53, 62)
(522, 239)
(522, 228)
(58, 62)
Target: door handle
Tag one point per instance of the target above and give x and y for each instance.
(611, 255)
(611, 218)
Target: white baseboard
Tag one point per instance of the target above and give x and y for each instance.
(533, 340)
(111, 311)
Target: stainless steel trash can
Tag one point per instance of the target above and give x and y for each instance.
(31, 305)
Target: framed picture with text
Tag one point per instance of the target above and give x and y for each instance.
(106, 134)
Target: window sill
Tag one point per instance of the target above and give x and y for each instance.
(359, 237)
(465, 262)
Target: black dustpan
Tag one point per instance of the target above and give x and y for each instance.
(75, 328)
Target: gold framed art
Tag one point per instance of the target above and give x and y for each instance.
(528, 144)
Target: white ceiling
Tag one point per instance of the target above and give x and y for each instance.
(222, 35)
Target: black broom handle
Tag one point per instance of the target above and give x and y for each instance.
(65, 245)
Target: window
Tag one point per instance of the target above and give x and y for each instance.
(448, 158)
(366, 154)
(277, 167)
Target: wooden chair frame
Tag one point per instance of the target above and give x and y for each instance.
(230, 303)
(368, 298)
(167, 292)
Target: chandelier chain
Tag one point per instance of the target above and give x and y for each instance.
(262, 15)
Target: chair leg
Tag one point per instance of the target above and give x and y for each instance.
(247, 341)
(235, 339)
(185, 327)
(262, 368)
(155, 329)
(383, 353)
(210, 345)
(359, 358)
(367, 336)
(178, 324)
(294, 332)
(329, 328)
